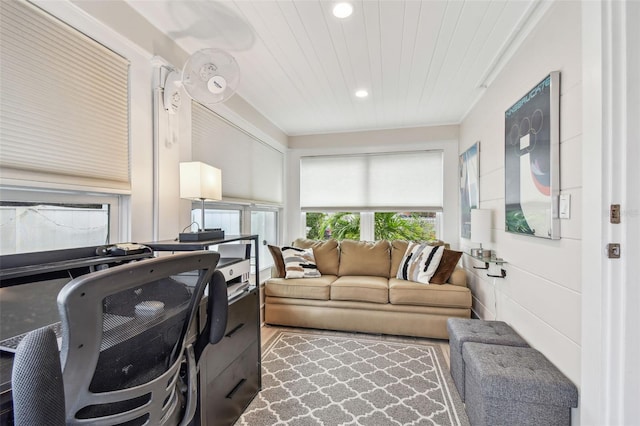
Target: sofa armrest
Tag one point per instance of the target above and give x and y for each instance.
(458, 277)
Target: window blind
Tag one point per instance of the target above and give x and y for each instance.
(64, 109)
(251, 170)
(372, 182)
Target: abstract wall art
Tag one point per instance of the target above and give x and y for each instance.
(469, 178)
(532, 161)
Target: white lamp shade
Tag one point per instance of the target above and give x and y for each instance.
(200, 181)
(480, 225)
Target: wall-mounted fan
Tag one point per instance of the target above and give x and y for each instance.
(209, 76)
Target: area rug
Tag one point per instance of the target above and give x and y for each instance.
(314, 379)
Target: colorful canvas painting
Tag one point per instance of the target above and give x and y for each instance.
(469, 168)
(532, 149)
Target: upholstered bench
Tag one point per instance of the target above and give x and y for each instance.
(508, 385)
(474, 330)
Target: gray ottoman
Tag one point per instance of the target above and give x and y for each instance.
(507, 385)
(474, 330)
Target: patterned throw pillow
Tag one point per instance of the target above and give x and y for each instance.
(299, 263)
(420, 262)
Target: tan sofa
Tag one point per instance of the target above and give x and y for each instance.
(358, 292)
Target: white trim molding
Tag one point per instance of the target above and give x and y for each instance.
(611, 93)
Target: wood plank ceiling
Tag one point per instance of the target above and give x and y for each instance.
(422, 62)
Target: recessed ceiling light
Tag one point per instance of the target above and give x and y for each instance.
(362, 93)
(342, 10)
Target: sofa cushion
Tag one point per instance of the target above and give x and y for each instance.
(402, 292)
(364, 258)
(278, 262)
(420, 262)
(446, 267)
(458, 277)
(361, 288)
(300, 288)
(326, 253)
(299, 263)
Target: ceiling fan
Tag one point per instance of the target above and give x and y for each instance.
(209, 76)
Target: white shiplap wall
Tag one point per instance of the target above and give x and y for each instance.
(541, 295)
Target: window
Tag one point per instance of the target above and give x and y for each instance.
(34, 227)
(265, 224)
(252, 171)
(370, 226)
(338, 225)
(64, 168)
(237, 219)
(252, 179)
(224, 217)
(67, 123)
(39, 220)
(372, 196)
(372, 182)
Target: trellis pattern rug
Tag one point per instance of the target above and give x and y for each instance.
(310, 379)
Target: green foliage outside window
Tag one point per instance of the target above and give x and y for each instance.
(314, 225)
(406, 226)
(387, 225)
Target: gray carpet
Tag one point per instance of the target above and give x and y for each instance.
(314, 379)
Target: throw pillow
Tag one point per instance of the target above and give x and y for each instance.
(446, 267)
(420, 262)
(299, 263)
(325, 252)
(278, 261)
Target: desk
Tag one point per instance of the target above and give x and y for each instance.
(29, 286)
(230, 371)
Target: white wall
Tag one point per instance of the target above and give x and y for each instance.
(420, 138)
(541, 295)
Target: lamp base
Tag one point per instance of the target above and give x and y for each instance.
(207, 234)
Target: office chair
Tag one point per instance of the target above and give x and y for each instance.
(129, 346)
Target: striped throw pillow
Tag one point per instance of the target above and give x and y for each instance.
(299, 263)
(420, 262)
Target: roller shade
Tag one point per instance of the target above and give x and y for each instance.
(64, 109)
(372, 182)
(251, 170)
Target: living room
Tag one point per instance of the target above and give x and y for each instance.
(562, 295)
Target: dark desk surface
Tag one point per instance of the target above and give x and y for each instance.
(175, 245)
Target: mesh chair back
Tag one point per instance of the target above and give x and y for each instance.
(127, 332)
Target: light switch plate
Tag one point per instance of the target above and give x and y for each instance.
(565, 206)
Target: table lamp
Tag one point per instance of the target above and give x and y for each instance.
(480, 230)
(200, 181)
